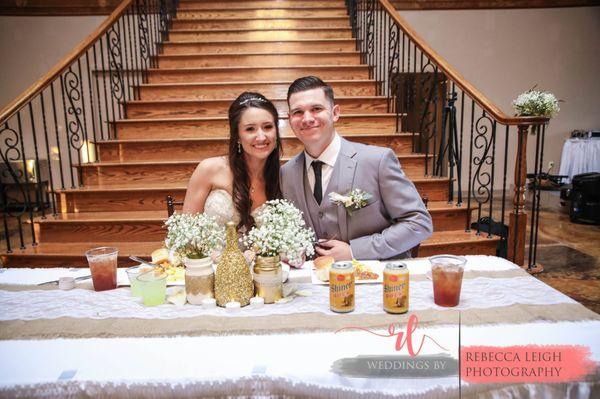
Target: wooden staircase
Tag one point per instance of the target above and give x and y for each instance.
(215, 51)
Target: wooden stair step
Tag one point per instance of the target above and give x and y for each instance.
(256, 73)
(262, 13)
(152, 195)
(263, 34)
(158, 109)
(155, 171)
(258, 59)
(258, 5)
(436, 189)
(216, 126)
(72, 254)
(203, 147)
(258, 46)
(261, 23)
(143, 226)
(135, 226)
(277, 89)
(458, 242)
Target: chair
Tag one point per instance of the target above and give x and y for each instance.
(171, 205)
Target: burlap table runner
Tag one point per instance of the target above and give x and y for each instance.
(70, 327)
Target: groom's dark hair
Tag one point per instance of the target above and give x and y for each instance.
(308, 83)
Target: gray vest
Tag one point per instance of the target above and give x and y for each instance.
(324, 217)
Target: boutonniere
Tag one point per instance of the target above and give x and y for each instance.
(352, 201)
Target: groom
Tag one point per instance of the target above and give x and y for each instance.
(394, 219)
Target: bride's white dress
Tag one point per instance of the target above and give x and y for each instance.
(219, 205)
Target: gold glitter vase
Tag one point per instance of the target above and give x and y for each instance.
(233, 280)
(267, 278)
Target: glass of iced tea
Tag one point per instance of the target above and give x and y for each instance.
(447, 273)
(103, 265)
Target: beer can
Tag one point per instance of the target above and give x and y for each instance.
(341, 287)
(395, 288)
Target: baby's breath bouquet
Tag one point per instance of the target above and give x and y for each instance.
(536, 103)
(193, 236)
(280, 230)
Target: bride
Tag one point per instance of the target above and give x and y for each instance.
(233, 186)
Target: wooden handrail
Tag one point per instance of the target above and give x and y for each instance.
(466, 86)
(63, 64)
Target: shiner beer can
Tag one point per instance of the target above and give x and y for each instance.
(341, 287)
(395, 288)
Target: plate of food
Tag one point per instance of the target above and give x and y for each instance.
(160, 257)
(365, 271)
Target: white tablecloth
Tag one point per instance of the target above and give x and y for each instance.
(276, 364)
(579, 156)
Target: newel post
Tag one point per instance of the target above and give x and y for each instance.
(518, 218)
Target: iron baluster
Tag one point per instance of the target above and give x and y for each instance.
(37, 184)
(93, 112)
(470, 165)
(83, 114)
(534, 265)
(60, 162)
(26, 182)
(97, 77)
(62, 90)
(50, 177)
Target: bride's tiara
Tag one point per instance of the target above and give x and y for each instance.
(262, 100)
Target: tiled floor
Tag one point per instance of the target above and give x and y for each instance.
(569, 252)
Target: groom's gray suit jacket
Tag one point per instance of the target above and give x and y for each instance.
(395, 219)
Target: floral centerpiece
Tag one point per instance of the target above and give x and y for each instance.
(280, 230)
(536, 103)
(193, 236)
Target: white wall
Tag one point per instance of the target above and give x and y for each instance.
(505, 52)
(31, 46)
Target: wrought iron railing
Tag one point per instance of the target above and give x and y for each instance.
(464, 136)
(54, 126)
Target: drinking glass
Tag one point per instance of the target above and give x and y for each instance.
(132, 274)
(103, 265)
(447, 273)
(153, 287)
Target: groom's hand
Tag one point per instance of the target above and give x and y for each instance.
(340, 250)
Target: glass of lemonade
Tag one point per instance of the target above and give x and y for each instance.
(103, 266)
(153, 287)
(447, 273)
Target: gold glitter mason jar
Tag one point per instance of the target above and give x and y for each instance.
(199, 280)
(268, 278)
(233, 279)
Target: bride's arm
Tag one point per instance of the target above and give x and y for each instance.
(199, 187)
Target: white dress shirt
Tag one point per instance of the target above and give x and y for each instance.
(328, 157)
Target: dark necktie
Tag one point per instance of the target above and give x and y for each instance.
(318, 192)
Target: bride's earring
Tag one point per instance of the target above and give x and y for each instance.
(239, 147)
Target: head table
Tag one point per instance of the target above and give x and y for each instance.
(82, 343)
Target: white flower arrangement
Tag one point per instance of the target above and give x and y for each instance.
(280, 230)
(193, 236)
(536, 103)
(352, 201)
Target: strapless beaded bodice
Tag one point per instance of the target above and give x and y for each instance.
(219, 205)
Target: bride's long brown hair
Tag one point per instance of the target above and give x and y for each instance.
(241, 178)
